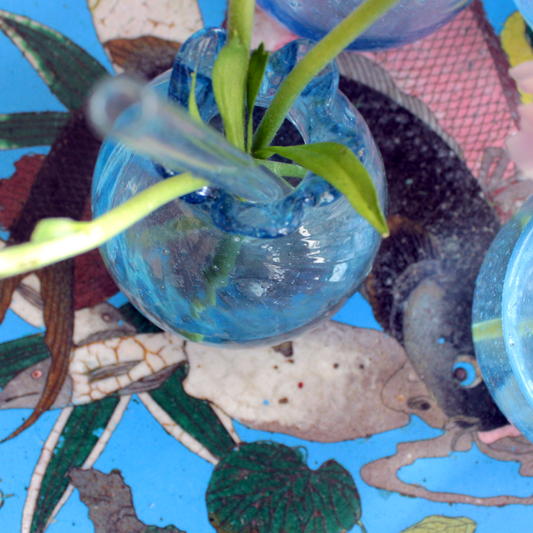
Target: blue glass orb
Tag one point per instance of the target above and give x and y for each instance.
(408, 21)
(526, 9)
(219, 270)
(503, 320)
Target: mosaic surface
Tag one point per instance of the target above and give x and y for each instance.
(356, 426)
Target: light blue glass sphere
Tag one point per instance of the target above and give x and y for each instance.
(526, 9)
(408, 21)
(219, 270)
(503, 320)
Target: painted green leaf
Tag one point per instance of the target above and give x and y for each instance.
(68, 70)
(229, 79)
(19, 354)
(195, 416)
(256, 71)
(266, 487)
(143, 325)
(21, 130)
(137, 320)
(443, 524)
(77, 440)
(168, 529)
(338, 165)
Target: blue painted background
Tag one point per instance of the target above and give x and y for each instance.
(169, 482)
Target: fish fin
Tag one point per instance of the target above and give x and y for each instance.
(57, 283)
(405, 284)
(7, 288)
(101, 336)
(109, 371)
(147, 56)
(150, 382)
(409, 244)
(30, 295)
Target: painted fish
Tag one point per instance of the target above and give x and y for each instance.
(123, 365)
(324, 386)
(74, 150)
(422, 283)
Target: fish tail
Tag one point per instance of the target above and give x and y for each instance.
(57, 283)
(7, 288)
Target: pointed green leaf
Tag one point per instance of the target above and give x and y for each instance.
(443, 524)
(338, 165)
(19, 354)
(21, 130)
(229, 78)
(193, 107)
(266, 487)
(143, 325)
(67, 69)
(256, 71)
(77, 440)
(288, 170)
(195, 416)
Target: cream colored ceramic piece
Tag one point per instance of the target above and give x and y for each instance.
(125, 360)
(99, 369)
(324, 386)
(174, 20)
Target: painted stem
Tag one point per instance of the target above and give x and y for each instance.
(316, 59)
(56, 239)
(361, 525)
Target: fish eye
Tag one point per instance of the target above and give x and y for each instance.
(36, 374)
(106, 317)
(419, 404)
(466, 371)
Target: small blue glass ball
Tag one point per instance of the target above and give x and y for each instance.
(526, 9)
(406, 22)
(503, 320)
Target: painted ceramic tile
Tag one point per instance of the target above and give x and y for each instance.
(378, 421)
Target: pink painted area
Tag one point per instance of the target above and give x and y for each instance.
(523, 74)
(520, 145)
(488, 437)
(269, 31)
(453, 72)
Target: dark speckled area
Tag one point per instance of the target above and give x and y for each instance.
(441, 228)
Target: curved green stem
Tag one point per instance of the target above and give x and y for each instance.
(241, 20)
(55, 239)
(316, 59)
